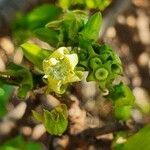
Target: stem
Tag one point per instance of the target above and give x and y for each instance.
(113, 127)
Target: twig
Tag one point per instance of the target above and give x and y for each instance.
(113, 127)
(88, 136)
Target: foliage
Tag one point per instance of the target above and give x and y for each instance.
(103, 64)
(5, 93)
(73, 37)
(24, 24)
(138, 141)
(18, 143)
(18, 75)
(123, 101)
(35, 54)
(62, 66)
(59, 70)
(84, 4)
(55, 121)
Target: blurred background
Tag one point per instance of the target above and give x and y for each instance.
(126, 27)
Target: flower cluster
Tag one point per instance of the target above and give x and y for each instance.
(102, 63)
(59, 69)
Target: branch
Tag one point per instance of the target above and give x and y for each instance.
(113, 127)
(88, 136)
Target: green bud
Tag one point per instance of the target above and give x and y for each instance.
(83, 55)
(115, 68)
(95, 62)
(123, 112)
(101, 74)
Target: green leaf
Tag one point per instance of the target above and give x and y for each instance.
(4, 98)
(64, 4)
(138, 141)
(123, 112)
(35, 54)
(54, 24)
(69, 26)
(123, 101)
(41, 15)
(24, 25)
(18, 143)
(38, 116)
(2, 92)
(92, 27)
(84, 4)
(122, 95)
(100, 4)
(33, 146)
(56, 120)
(18, 75)
(47, 35)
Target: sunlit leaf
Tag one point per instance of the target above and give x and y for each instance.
(18, 75)
(35, 54)
(92, 27)
(138, 141)
(123, 101)
(41, 15)
(122, 95)
(4, 98)
(2, 92)
(24, 25)
(48, 35)
(18, 143)
(56, 120)
(38, 116)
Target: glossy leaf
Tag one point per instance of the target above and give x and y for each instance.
(2, 92)
(69, 26)
(123, 112)
(100, 4)
(55, 121)
(18, 75)
(92, 27)
(82, 4)
(24, 25)
(41, 15)
(35, 54)
(138, 141)
(48, 35)
(6, 91)
(18, 143)
(122, 95)
(123, 101)
(38, 116)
